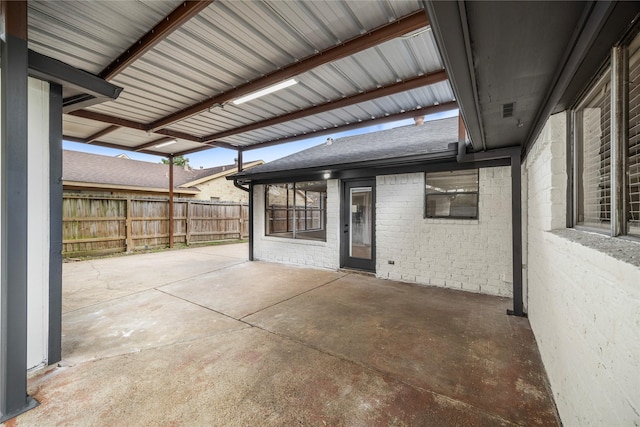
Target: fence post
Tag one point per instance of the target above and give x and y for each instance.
(128, 231)
(187, 225)
(240, 220)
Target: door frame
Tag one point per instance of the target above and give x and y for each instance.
(347, 261)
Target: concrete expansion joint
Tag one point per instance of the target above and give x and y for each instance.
(292, 297)
(203, 306)
(202, 274)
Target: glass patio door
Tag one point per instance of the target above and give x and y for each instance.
(358, 237)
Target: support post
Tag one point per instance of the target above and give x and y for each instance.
(516, 238)
(514, 154)
(240, 165)
(250, 221)
(171, 201)
(55, 220)
(13, 212)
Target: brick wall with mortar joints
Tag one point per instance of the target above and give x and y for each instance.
(441, 252)
(583, 305)
(297, 251)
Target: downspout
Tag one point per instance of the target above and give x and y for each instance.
(235, 182)
(171, 201)
(513, 154)
(462, 143)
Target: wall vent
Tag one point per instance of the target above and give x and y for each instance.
(507, 109)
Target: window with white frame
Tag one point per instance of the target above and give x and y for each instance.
(607, 147)
(296, 210)
(451, 194)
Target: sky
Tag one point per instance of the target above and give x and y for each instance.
(222, 156)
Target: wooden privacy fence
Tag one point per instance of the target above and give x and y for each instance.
(93, 225)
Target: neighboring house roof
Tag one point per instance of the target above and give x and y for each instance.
(430, 140)
(93, 170)
(218, 172)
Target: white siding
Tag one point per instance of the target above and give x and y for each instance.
(472, 255)
(38, 225)
(584, 305)
(300, 252)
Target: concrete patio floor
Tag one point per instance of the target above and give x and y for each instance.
(203, 337)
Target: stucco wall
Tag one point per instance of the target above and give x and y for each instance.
(583, 299)
(472, 255)
(299, 252)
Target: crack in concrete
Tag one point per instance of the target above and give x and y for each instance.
(98, 276)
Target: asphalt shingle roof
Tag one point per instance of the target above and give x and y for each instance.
(406, 141)
(95, 168)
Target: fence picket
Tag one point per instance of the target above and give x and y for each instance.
(96, 225)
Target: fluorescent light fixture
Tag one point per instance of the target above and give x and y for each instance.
(164, 144)
(265, 91)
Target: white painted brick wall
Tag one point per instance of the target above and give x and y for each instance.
(583, 305)
(300, 252)
(472, 255)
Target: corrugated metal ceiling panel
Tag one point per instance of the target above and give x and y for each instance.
(415, 99)
(128, 137)
(229, 44)
(345, 77)
(80, 128)
(78, 33)
(405, 101)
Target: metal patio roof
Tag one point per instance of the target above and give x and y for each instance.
(181, 64)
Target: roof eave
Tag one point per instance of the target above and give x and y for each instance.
(317, 172)
(220, 174)
(119, 187)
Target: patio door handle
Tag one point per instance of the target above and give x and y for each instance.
(346, 228)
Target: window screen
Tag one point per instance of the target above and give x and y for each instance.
(633, 161)
(593, 127)
(452, 194)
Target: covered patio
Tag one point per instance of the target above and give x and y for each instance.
(204, 337)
